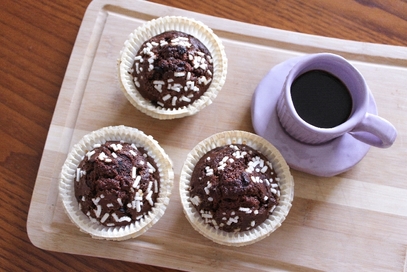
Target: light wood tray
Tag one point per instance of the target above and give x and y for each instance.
(355, 221)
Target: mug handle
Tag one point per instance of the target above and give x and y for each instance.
(375, 131)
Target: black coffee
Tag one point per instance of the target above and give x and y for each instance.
(321, 99)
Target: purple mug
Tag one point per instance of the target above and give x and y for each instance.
(366, 127)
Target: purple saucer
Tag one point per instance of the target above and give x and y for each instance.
(328, 159)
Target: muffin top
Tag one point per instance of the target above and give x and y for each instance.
(116, 183)
(172, 69)
(234, 188)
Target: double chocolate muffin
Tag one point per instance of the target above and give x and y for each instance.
(234, 188)
(172, 69)
(116, 183)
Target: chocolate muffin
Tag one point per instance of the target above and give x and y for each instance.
(172, 67)
(235, 188)
(115, 183)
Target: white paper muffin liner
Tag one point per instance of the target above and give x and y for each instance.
(281, 168)
(67, 179)
(153, 28)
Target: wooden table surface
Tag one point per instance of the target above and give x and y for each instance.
(37, 38)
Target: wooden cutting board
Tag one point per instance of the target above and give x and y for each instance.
(354, 221)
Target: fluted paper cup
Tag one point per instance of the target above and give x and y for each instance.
(153, 28)
(78, 152)
(274, 220)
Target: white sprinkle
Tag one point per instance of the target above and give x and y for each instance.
(210, 199)
(136, 182)
(273, 191)
(246, 210)
(252, 223)
(249, 169)
(124, 218)
(272, 209)
(96, 200)
(116, 147)
(104, 218)
(206, 215)
(209, 58)
(119, 200)
(110, 205)
(195, 200)
(163, 43)
(78, 174)
(256, 211)
(179, 74)
(264, 169)
(222, 166)
(232, 220)
(138, 205)
(108, 160)
(137, 199)
(158, 88)
(266, 198)
(98, 210)
(186, 99)
(160, 103)
(90, 153)
(158, 82)
(155, 186)
(149, 199)
(110, 224)
(209, 171)
(176, 87)
(151, 168)
(114, 155)
(166, 97)
(83, 198)
(150, 185)
(133, 172)
(174, 100)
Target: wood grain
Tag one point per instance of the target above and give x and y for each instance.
(37, 38)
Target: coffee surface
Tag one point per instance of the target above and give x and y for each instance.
(321, 99)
